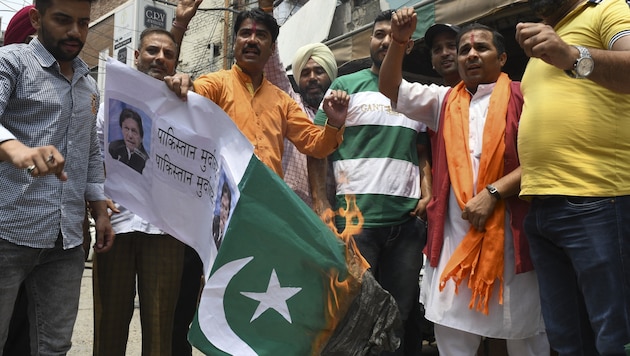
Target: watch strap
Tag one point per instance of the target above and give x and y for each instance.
(493, 191)
(584, 54)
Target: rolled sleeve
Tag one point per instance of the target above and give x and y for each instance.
(420, 102)
(95, 192)
(5, 135)
(310, 139)
(331, 139)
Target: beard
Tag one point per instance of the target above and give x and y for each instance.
(313, 100)
(546, 8)
(376, 59)
(54, 46)
(155, 70)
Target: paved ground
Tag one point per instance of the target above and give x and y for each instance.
(82, 338)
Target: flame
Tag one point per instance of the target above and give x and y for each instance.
(343, 292)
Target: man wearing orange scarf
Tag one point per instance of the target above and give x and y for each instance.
(479, 282)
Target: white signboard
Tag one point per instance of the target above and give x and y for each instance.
(154, 14)
(124, 34)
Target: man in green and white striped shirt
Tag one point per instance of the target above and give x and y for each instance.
(378, 162)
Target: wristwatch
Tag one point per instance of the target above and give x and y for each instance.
(583, 66)
(493, 191)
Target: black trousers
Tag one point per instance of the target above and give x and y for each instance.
(187, 302)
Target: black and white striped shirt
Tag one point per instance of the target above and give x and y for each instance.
(38, 107)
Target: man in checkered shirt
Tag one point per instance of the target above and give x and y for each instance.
(50, 164)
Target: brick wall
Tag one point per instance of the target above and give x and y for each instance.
(102, 7)
(101, 35)
(99, 38)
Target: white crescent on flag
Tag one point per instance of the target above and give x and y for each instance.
(211, 309)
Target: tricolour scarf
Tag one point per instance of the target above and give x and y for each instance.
(480, 254)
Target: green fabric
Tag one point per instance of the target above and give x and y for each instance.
(387, 207)
(426, 14)
(283, 234)
(382, 141)
(426, 18)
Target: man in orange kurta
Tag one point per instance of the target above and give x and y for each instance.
(264, 113)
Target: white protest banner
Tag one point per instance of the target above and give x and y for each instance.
(184, 146)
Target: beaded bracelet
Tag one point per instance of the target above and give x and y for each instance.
(402, 43)
(177, 25)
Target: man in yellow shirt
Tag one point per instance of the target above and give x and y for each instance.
(263, 112)
(574, 148)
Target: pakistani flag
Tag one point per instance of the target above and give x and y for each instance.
(278, 281)
(280, 284)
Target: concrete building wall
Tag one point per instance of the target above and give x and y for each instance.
(204, 46)
(351, 15)
(207, 45)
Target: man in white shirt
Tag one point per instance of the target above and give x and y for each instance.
(475, 217)
(143, 252)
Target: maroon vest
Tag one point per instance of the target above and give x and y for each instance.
(437, 207)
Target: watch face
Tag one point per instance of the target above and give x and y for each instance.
(584, 66)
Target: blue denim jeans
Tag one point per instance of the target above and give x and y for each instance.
(395, 257)
(581, 251)
(53, 285)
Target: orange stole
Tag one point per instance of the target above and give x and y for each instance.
(480, 254)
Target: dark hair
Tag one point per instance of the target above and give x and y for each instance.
(259, 16)
(225, 189)
(497, 39)
(130, 114)
(43, 5)
(383, 16)
(216, 228)
(155, 30)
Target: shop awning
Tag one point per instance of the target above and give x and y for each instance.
(355, 45)
(463, 11)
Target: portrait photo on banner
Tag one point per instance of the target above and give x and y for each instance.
(223, 207)
(129, 135)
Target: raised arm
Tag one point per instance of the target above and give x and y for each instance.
(403, 25)
(612, 67)
(277, 75)
(184, 12)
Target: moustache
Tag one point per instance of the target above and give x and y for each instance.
(314, 86)
(250, 47)
(158, 66)
(72, 41)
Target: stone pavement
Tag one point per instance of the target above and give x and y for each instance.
(82, 337)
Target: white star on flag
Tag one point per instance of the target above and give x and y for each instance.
(274, 298)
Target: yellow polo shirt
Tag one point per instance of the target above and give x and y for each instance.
(574, 135)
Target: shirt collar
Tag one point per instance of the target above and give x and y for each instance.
(47, 60)
(482, 90)
(246, 79)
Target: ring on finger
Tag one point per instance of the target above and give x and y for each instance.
(30, 169)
